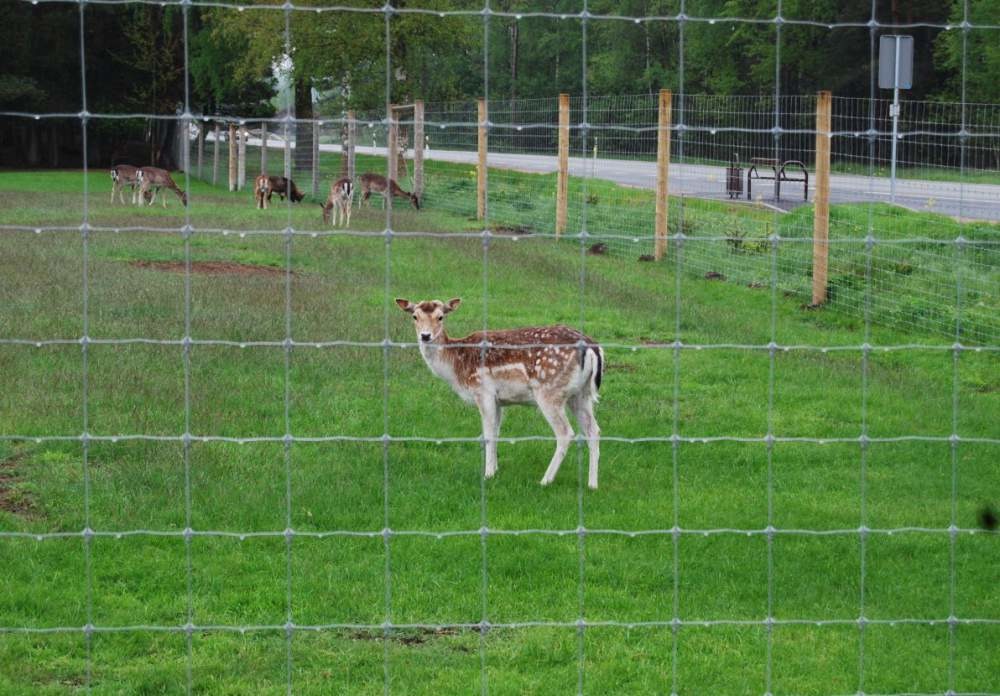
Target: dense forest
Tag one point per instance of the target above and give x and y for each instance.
(151, 58)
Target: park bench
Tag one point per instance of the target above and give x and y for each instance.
(778, 175)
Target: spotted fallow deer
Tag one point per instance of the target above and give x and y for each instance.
(338, 203)
(156, 179)
(376, 183)
(123, 175)
(549, 366)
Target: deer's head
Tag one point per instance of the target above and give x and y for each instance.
(428, 316)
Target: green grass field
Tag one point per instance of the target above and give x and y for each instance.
(341, 290)
(920, 287)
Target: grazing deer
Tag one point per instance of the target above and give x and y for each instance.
(376, 183)
(549, 366)
(339, 202)
(262, 191)
(155, 178)
(123, 175)
(265, 186)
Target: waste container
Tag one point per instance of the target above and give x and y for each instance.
(734, 178)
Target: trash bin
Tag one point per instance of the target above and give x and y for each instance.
(734, 178)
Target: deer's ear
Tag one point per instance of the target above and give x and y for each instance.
(452, 304)
(405, 305)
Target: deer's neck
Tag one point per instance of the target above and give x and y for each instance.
(442, 358)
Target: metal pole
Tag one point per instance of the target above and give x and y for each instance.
(894, 111)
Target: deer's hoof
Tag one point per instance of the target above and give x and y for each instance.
(546, 481)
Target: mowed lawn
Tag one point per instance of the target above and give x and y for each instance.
(342, 582)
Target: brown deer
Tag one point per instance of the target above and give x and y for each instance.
(339, 202)
(265, 186)
(376, 183)
(123, 175)
(153, 179)
(548, 366)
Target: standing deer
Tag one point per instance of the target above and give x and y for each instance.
(339, 202)
(376, 183)
(262, 191)
(549, 366)
(265, 186)
(156, 179)
(123, 175)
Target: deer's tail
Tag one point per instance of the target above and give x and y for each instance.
(592, 364)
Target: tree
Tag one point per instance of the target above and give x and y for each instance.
(974, 52)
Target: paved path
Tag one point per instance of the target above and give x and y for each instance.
(965, 201)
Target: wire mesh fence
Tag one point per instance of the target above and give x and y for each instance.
(345, 569)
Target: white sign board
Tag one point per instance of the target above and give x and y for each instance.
(890, 48)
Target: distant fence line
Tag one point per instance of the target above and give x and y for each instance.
(714, 128)
(637, 221)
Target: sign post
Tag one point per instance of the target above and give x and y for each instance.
(895, 72)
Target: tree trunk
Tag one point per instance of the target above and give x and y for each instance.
(54, 144)
(163, 145)
(32, 145)
(303, 131)
(514, 31)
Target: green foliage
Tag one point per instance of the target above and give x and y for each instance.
(974, 52)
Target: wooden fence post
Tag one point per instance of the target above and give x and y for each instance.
(232, 156)
(186, 123)
(263, 147)
(562, 182)
(242, 164)
(662, 173)
(821, 206)
(315, 159)
(352, 139)
(216, 146)
(481, 171)
(287, 139)
(418, 147)
(201, 146)
(391, 150)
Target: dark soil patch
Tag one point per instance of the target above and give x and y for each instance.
(598, 249)
(511, 231)
(418, 637)
(12, 500)
(210, 268)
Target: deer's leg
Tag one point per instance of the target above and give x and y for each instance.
(114, 187)
(583, 408)
(489, 410)
(555, 413)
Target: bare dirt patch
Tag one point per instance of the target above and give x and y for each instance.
(418, 637)
(507, 231)
(210, 268)
(12, 499)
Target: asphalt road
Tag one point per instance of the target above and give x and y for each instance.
(957, 200)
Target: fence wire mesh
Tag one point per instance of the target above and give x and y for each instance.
(935, 281)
